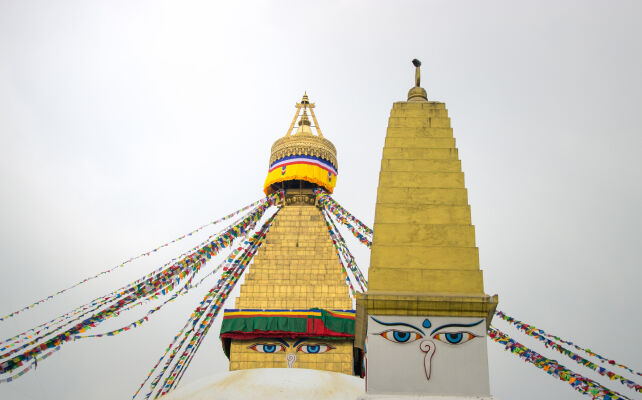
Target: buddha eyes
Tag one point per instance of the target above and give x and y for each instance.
(454, 337)
(397, 336)
(267, 348)
(314, 348)
(400, 336)
(305, 348)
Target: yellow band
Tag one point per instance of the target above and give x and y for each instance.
(304, 172)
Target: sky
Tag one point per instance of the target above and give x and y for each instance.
(125, 124)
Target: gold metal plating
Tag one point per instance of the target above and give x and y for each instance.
(304, 145)
(299, 197)
(417, 93)
(303, 141)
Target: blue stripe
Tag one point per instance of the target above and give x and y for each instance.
(303, 156)
(308, 310)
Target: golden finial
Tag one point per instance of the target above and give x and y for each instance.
(417, 93)
(304, 118)
(305, 105)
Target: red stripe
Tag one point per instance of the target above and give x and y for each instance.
(263, 334)
(269, 316)
(301, 162)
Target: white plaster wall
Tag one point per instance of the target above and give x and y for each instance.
(455, 369)
(272, 384)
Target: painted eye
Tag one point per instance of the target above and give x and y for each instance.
(314, 348)
(267, 348)
(454, 337)
(400, 336)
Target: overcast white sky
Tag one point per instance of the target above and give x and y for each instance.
(124, 124)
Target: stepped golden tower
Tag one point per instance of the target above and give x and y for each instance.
(424, 318)
(294, 309)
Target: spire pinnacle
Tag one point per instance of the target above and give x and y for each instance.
(417, 93)
(304, 118)
(304, 121)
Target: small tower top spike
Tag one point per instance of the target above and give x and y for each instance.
(305, 124)
(417, 65)
(304, 118)
(417, 93)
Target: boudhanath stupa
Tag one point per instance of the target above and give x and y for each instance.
(297, 331)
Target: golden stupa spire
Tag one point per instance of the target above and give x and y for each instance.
(424, 264)
(305, 105)
(302, 155)
(296, 286)
(304, 118)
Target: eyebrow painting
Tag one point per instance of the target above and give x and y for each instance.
(396, 324)
(456, 325)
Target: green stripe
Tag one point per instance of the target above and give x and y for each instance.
(294, 324)
(251, 324)
(342, 325)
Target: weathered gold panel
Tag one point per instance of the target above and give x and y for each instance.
(338, 359)
(424, 240)
(296, 268)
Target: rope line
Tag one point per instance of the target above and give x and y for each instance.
(578, 382)
(539, 332)
(122, 264)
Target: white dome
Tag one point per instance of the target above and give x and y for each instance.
(272, 383)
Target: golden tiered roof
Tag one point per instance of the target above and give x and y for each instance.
(302, 155)
(303, 141)
(297, 267)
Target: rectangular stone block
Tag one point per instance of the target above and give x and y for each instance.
(424, 142)
(419, 112)
(416, 257)
(419, 132)
(425, 280)
(448, 165)
(303, 277)
(423, 214)
(417, 196)
(406, 153)
(419, 122)
(425, 235)
(427, 105)
(389, 179)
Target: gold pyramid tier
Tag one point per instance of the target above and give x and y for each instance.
(297, 266)
(424, 241)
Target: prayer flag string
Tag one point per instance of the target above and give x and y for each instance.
(33, 365)
(361, 232)
(533, 332)
(578, 382)
(203, 316)
(539, 333)
(237, 270)
(162, 282)
(122, 264)
(344, 253)
(55, 324)
(206, 300)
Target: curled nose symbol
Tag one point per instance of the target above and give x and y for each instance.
(428, 347)
(290, 358)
